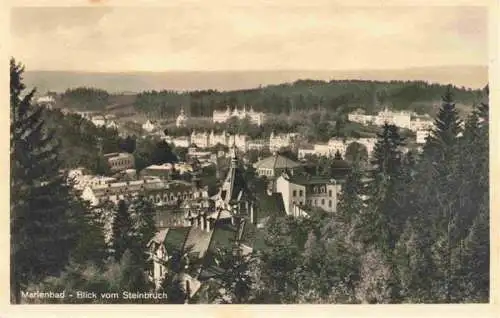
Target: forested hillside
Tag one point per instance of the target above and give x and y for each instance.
(338, 95)
(306, 95)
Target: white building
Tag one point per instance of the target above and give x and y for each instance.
(156, 190)
(300, 191)
(120, 161)
(182, 119)
(149, 125)
(46, 101)
(257, 118)
(240, 141)
(277, 142)
(221, 138)
(421, 123)
(422, 136)
(322, 150)
(304, 152)
(258, 144)
(112, 125)
(400, 119)
(338, 144)
(359, 116)
(201, 139)
(181, 142)
(98, 121)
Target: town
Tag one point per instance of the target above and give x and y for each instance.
(212, 153)
(256, 181)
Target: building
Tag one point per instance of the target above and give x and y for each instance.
(277, 142)
(338, 145)
(322, 150)
(306, 151)
(422, 136)
(400, 119)
(120, 161)
(181, 120)
(421, 123)
(156, 190)
(46, 101)
(257, 118)
(359, 116)
(112, 124)
(150, 125)
(98, 121)
(240, 141)
(181, 142)
(230, 220)
(164, 171)
(273, 166)
(201, 139)
(222, 138)
(258, 144)
(300, 192)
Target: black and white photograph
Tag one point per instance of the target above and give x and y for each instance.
(249, 153)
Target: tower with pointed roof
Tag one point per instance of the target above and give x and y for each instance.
(234, 196)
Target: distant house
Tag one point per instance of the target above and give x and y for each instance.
(422, 136)
(120, 161)
(149, 125)
(181, 120)
(46, 101)
(99, 121)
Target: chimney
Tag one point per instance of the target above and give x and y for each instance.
(253, 217)
(198, 221)
(207, 223)
(188, 292)
(203, 219)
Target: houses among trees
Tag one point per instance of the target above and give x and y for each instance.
(403, 227)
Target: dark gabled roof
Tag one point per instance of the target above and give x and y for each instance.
(269, 205)
(197, 242)
(175, 238)
(224, 236)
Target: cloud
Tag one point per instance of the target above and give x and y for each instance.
(248, 37)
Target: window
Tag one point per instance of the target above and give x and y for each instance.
(322, 201)
(315, 202)
(330, 193)
(300, 193)
(330, 203)
(294, 193)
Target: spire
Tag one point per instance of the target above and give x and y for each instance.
(234, 159)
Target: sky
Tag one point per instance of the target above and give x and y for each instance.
(250, 37)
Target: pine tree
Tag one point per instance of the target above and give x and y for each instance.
(350, 206)
(42, 227)
(446, 132)
(122, 229)
(383, 222)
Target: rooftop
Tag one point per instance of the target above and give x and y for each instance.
(276, 161)
(305, 179)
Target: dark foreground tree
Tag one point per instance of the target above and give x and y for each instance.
(41, 230)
